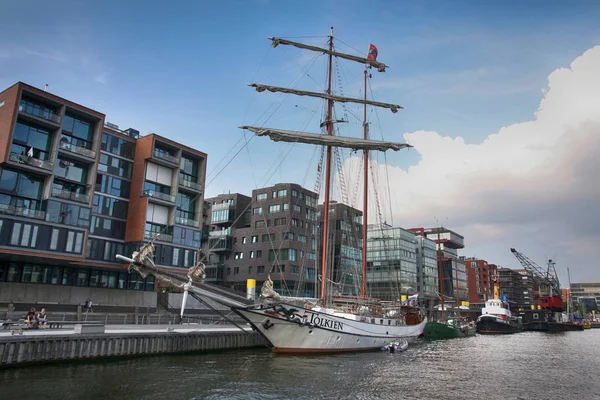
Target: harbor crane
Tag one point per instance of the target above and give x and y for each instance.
(546, 281)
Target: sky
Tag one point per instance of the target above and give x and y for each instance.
(501, 103)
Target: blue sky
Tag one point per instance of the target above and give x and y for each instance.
(460, 68)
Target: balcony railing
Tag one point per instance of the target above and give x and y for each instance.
(34, 162)
(190, 185)
(222, 206)
(77, 149)
(167, 157)
(220, 244)
(187, 222)
(40, 114)
(69, 195)
(159, 195)
(21, 211)
(162, 237)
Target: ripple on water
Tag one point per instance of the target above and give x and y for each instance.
(522, 366)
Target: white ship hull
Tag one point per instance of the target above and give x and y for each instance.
(292, 329)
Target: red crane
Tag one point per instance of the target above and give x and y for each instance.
(547, 282)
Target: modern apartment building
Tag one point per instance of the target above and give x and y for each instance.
(75, 191)
(453, 271)
(586, 294)
(345, 248)
(392, 262)
(479, 280)
(428, 284)
(271, 233)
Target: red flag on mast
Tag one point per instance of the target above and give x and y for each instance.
(372, 53)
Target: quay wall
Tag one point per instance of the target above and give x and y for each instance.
(23, 350)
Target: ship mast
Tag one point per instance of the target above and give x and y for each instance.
(365, 192)
(440, 273)
(330, 140)
(329, 122)
(457, 293)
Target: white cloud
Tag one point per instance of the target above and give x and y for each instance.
(533, 185)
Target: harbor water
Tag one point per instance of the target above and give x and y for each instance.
(521, 366)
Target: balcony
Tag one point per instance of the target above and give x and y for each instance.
(190, 184)
(167, 158)
(217, 244)
(222, 206)
(162, 237)
(68, 195)
(33, 162)
(38, 112)
(187, 222)
(9, 209)
(77, 149)
(159, 195)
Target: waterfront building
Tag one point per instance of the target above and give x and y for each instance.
(454, 275)
(75, 190)
(428, 284)
(345, 244)
(479, 280)
(271, 234)
(518, 287)
(586, 294)
(391, 262)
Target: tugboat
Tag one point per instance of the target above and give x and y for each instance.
(495, 318)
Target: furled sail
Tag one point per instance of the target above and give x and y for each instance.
(375, 64)
(261, 88)
(278, 135)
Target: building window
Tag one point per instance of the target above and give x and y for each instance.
(175, 260)
(282, 193)
(266, 238)
(236, 270)
(260, 269)
(112, 185)
(259, 224)
(31, 139)
(244, 240)
(249, 270)
(239, 256)
(251, 254)
(280, 221)
(255, 239)
(78, 129)
(275, 208)
(118, 146)
(115, 166)
(186, 258)
(16, 234)
(261, 196)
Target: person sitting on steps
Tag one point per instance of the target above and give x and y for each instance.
(42, 320)
(30, 319)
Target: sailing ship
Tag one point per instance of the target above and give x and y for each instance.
(330, 323)
(303, 326)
